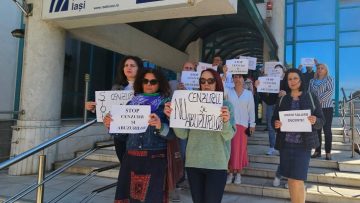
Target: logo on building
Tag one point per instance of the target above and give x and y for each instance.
(59, 5)
(145, 1)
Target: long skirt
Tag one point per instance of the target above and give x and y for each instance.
(142, 177)
(239, 155)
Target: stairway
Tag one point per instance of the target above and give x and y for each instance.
(336, 180)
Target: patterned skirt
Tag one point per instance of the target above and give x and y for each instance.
(142, 177)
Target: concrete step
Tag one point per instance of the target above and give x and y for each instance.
(350, 165)
(335, 145)
(265, 136)
(314, 192)
(102, 155)
(315, 175)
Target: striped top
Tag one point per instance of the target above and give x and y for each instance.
(324, 90)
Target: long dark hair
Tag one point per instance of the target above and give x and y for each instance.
(286, 84)
(120, 75)
(164, 87)
(219, 84)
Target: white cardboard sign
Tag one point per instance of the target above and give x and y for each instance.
(252, 61)
(308, 62)
(270, 65)
(295, 121)
(269, 84)
(105, 99)
(129, 119)
(190, 79)
(197, 110)
(238, 66)
(203, 66)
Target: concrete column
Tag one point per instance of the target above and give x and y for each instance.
(194, 49)
(277, 26)
(41, 90)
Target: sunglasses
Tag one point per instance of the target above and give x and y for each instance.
(152, 82)
(210, 81)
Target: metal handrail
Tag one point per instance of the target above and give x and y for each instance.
(22, 112)
(97, 191)
(44, 145)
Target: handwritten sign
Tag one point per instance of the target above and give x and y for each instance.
(203, 66)
(129, 119)
(196, 110)
(295, 121)
(105, 99)
(269, 84)
(308, 62)
(238, 66)
(190, 79)
(270, 66)
(252, 61)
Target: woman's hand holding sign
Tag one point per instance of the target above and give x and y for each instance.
(277, 124)
(225, 114)
(107, 120)
(312, 119)
(167, 109)
(155, 121)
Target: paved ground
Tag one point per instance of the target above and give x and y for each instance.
(9, 185)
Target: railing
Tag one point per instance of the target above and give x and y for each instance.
(42, 158)
(352, 115)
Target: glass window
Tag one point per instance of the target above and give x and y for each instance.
(350, 39)
(289, 35)
(289, 55)
(349, 3)
(289, 15)
(348, 65)
(324, 52)
(349, 19)
(315, 32)
(311, 12)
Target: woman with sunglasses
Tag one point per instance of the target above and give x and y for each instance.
(208, 152)
(144, 167)
(127, 70)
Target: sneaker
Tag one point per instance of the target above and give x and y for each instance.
(237, 180)
(229, 178)
(276, 182)
(286, 186)
(270, 151)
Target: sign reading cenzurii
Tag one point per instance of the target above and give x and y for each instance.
(196, 110)
(70, 8)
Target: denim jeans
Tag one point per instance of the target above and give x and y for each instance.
(269, 114)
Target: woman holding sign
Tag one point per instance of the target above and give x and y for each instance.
(295, 147)
(144, 167)
(128, 68)
(208, 152)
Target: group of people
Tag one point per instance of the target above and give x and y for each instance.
(214, 158)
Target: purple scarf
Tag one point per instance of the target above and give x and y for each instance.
(154, 100)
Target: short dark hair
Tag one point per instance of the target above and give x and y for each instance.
(219, 84)
(245, 76)
(294, 70)
(164, 87)
(120, 75)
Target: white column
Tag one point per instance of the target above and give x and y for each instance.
(194, 49)
(41, 90)
(277, 26)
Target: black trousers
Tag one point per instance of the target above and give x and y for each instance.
(328, 114)
(206, 185)
(120, 148)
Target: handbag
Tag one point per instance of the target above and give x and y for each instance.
(175, 163)
(247, 131)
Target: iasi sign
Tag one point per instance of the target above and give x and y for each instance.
(57, 9)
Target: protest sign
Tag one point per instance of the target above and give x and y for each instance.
(238, 66)
(308, 62)
(197, 110)
(269, 84)
(270, 65)
(129, 119)
(190, 79)
(203, 66)
(105, 99)
(252, 62)
(295, 121)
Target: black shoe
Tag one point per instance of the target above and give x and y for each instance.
(328, 156)
(357, 150)
(316, 155)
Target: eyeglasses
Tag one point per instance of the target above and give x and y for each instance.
(210, 81)
(152, 82)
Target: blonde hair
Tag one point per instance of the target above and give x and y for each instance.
(316, 76)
